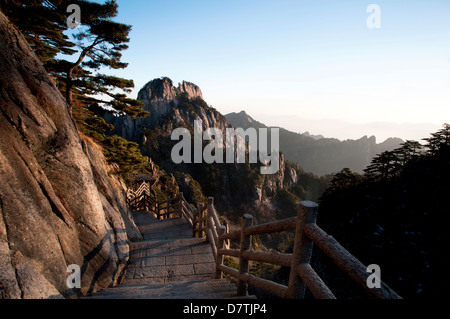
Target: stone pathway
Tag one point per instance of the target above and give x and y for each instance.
(169, 264)
(168, 254)
(153, 229)
(205, 289)
(170, 260)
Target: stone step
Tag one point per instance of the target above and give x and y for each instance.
(211, 289)
(213, 296)
(172, 260)
(169, 264)
(153, 229)
(212, 284)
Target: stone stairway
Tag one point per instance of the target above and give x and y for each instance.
(169, 264)
(206, 289)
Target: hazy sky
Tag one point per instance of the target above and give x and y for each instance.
(307, 65)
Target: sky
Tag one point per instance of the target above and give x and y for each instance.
(305, 65)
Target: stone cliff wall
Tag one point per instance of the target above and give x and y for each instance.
(161, 98)
(58, 204)
(171, 107)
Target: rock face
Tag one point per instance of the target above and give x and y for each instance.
(160, 97)
(170, 107)
(58, 204)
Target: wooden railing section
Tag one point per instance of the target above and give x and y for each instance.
(302, 275)
(143, 199)
(205, 222)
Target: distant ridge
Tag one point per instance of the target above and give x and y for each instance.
(321, 155)
(242, 119)
(180, 105)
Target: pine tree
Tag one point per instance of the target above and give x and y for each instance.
(98, 44)
(383, 166)
(408, 151)
(439, 141)
(342, 181)
(42, 24)
(391, 163)
(75, 67)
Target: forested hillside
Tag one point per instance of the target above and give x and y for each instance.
(320, 155)
(395, 215)
(237, 188)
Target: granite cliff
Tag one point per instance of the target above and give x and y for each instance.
(162, 99)
(234, 186)
(59, 203)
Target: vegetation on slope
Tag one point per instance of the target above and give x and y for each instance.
(395, 215)
(98, 44)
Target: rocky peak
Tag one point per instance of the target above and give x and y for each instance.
(243, 120)
(161, 99)
(173, 107)
(163, 89)
(191, 89)
(158, 89)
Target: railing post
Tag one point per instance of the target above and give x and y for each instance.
(204, 221)
(166, 216)
(220, 245)
(210, 205)
(227, 230)
(194, 223)
(158, 210)
(201, 211)
(146, 206)
(209, 216)
(307, 214)
(180, 205)
(246, 243)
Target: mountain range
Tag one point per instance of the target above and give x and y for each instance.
(320, 155)
(306, 161)
(313, 153)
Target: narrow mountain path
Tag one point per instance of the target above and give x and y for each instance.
(169, 264)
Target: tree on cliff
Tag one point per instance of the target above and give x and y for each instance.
(391, 163)
(439, 142)
(98, 43)
(75, 66)
(42, 26)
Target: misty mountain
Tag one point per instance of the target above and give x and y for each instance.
(321, 155)
(235, 187)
